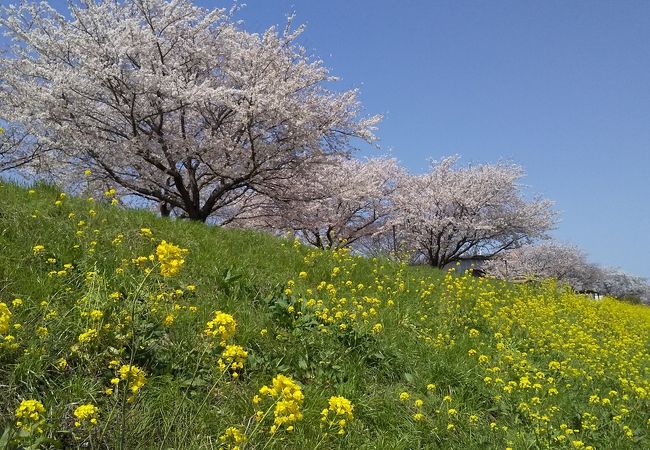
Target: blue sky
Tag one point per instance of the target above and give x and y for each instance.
(561, 88)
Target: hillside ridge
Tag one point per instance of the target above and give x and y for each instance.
(119, 329)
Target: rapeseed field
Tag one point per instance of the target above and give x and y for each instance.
(122, 330)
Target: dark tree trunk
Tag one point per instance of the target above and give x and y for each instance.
(165, 211)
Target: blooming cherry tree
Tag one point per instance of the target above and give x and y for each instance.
(171, 102)
(451, 214)
(566, 263)
(620, 284)
(14, 151)
(331, 204)
(17, 147)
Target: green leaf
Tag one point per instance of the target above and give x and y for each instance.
(4, 440)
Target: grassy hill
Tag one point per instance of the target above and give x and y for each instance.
(112, 338)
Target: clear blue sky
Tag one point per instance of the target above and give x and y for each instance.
(562, 88)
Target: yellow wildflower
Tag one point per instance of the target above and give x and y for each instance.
(232, 438)
(30, 415)
(223, 326)
(87, 336)
(5, 316)
(87, 413)
(170, 257)
(288, 398)
(232, 358)
(134, 376)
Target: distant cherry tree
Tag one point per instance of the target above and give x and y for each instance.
(619, 284)
(570, 265)
(331, 204)
(451, 214)
(563, 262)
(171, 102)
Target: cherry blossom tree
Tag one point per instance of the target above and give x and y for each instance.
(172, 102)
(567, 264)
(14, 152)
(563, 262)
(331, 204)
(17, 147)
(451, 214)
(620, 284)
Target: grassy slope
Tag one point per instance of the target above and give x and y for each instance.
(425, 338)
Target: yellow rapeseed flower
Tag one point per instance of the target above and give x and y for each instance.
(170, 257)
(223, 326)
(288, 398)
(86, 414)
(29, 415)
(232, 359)
(87, 336)
(337, 415)
(5, 317)
(233, 438)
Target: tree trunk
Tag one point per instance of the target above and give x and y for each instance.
(165, 211)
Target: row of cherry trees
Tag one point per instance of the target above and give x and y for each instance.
(445, 215)
(570, 265)
(177, 105)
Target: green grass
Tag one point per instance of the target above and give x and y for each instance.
(425, 338)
